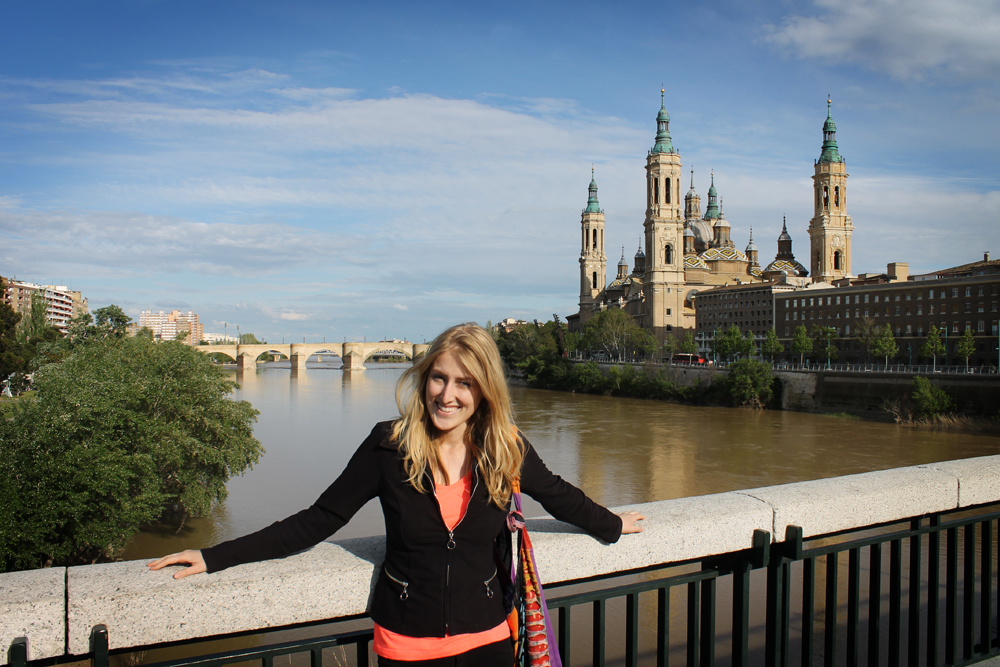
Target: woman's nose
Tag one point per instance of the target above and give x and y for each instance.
(447, 392)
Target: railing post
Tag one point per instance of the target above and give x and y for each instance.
(17, 654)
(99, 646)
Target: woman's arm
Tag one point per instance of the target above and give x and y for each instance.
(352, 489)
(568, 503)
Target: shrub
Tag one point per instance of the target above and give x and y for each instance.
(928, 400)
(749, 383)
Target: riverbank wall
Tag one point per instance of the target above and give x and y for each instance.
(855, 393)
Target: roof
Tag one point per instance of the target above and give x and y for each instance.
(694, 262)
(987, 266)
(725, 254)
(793, 268)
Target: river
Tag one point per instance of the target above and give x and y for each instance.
(619, 450)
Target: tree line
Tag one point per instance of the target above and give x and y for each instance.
(109, 433)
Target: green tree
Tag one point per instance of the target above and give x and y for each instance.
(884, 344)
(728, 343)
(688, 346)
(867, 330)
(36, 339)
(771, 345)
(823, 343)
(933, 347)
(615, 332)
(668, 348)
(966, 346)
(750, 382)
(118, 433)
(746, 346)
(802, 344)
(250, 339)
(12, 358)
(929, 400)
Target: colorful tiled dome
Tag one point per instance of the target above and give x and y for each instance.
(694, 262)
(726, 254)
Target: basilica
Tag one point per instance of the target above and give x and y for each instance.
(686, 252)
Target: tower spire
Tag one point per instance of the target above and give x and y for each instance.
(663, 143)
(592, 205)
(830, 152)
(712, 211)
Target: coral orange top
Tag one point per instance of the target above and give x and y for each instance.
(453, 499)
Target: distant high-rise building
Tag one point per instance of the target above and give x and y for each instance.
(61, 303)
(170, 326)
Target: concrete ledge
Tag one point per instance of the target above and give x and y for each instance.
(140, 606)
(33, 605)
(978, 478)
(676, 530)
(57, 608)
(852, 501)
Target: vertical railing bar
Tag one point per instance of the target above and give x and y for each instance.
(99, 646)
(267, 660)
(18, 653)
(986, 587)
(786, 610)
(316, 657)
(565, 619)
(662, 627)
(913, 631)
(693, 619)
(773, 641)
(632, 629)
(853, 607)
(874, 602)
(708, 590)
(969, 595)
(830, 633)
(598, 654)
(895, 600)
(933, 590)
(362, 653)
(951, 597)
(808, 608)
(741, 615)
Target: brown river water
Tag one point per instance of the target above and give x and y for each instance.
(619, 450)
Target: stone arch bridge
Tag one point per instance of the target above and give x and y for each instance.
(353, 354)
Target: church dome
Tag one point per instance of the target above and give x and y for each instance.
(723, 254)
(783, 266)
(694, 262)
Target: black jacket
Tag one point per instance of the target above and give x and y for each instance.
(433, 581)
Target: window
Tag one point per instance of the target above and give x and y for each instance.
(857, 312)
(786, 331)
(786, 316)
(920, 310)
(876, 298)
(897, 297)
(810, 302)
(930, 294)
(980, 292)
(593, 281)
(908, 331)
(866, 312)
(847, 330)
(954, 327)
(968, 326)
(795, 315)
(931, 309)
(920, 331)
(954, 292)
(968, 307)
(982, 326)
(907, 310)
(668, 311)
(656, 190)
(968, 291)
(907, 296)
(667, 192)
(898, 332)
(897, 311)
(668, 254)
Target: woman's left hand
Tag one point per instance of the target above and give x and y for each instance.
(628, 522)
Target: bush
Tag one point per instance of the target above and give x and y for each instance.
(749, 383)
(118, 433)
(928, 400)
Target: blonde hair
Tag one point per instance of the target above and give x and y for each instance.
(491, 429)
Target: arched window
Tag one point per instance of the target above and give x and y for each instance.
(817, 199)
(586, 240)
(656, 190)
(836, 196)
(668, 190)
(837, 261)
(595, 240)
(826, 197)
(593, 281)
(668, 254)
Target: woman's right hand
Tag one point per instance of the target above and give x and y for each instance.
(190, 557)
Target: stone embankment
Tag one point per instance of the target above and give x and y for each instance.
(57, 608)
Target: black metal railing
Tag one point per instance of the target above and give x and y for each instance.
(922, 591)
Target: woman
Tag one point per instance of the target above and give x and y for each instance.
(443, 472)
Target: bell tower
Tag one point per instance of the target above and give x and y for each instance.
(664, 228)
(830, 228)
(593, 261)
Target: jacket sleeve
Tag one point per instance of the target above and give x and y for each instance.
(564, 501)
(349, 492)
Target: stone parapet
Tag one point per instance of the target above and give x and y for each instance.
(57, 608)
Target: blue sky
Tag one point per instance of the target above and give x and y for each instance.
(316, 169)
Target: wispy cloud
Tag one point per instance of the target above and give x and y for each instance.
(909, 39)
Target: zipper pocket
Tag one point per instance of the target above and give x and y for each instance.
(489, 591)
(404, 584)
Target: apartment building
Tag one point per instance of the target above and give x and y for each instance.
(61, 303)
(170, 326)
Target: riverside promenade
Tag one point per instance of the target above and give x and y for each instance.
(944, 604)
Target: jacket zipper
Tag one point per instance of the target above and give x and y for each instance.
(404, 584)
(450, 546)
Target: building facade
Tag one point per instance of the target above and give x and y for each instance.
(61, 303)
(170, 326)
(685, 253)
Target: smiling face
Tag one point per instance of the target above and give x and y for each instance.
(452, 395)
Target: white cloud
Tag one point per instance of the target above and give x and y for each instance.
(908, 39)
(399, 306)
(293, 317)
